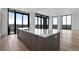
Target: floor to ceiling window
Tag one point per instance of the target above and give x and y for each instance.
(11, 23)
(25, 21)
(66, 23)
(55, 22)
(38, 22)
(17, 20)
(41, 21)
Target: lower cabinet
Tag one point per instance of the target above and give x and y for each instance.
(56, 39)
(49, 44)
(34, 44)
(52, 43)
(38, 43)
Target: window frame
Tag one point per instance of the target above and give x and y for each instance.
(53, 20)
(66, 20)
(41, 18)
(17, 12)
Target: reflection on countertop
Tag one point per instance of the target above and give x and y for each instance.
(41, 32)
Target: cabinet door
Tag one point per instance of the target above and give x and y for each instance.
(49, 46)
(26, 39)
(34, 43)
(19, 34)
(31, 37)
(24, 36)
(40, 43)
(52, 43)
(56, 41)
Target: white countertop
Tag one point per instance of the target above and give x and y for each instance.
(42, 32)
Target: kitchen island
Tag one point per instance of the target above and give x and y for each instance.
(40, 39)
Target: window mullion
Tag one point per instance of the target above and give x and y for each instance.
(22, 20)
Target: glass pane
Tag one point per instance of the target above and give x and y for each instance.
(47, 21)
(11, 23)
(11, 18)
(35, 20)
(54, 20)
(39, 21)
(18, 21)
(64, 20)
(69, 20)
(25, 20)
(42, 21)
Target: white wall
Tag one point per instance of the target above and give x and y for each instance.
(75, 21)
(4, 21)
(32, 22)
(50, 22)
(59, 23)
(0, 22)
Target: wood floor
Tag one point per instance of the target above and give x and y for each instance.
(11, 43)
(69, 41)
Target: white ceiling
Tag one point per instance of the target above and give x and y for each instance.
(51, 11)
